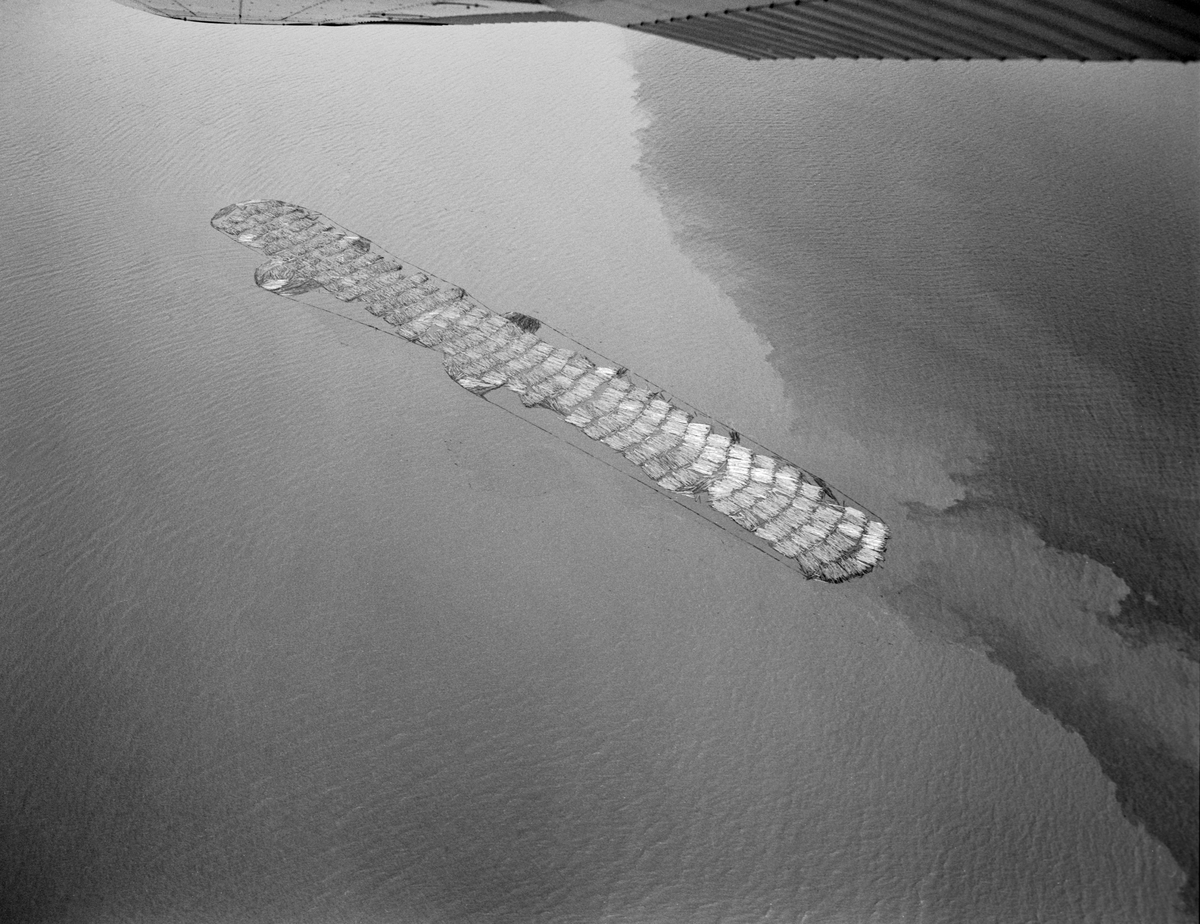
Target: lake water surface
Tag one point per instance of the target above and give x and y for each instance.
(296, 629)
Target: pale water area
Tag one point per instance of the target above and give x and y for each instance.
(295, 629)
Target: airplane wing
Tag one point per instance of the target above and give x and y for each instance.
(1081, 30)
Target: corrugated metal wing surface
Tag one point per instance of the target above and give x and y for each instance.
(1085, 30)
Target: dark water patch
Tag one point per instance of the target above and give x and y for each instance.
(944, 253)
(1132, 533)
(1154, 785)
(1010, 245)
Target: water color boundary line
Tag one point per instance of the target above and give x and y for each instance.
(679, 448)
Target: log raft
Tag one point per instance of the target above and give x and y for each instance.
(781, 504)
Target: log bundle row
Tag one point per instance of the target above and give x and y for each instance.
(769, 496)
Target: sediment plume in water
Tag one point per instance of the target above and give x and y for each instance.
(792, 511)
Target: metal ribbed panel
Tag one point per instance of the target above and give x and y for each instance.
(1004, 36)
(1088, 30)
(927, 38)
(853, 38)
(837, 41)
(909, 36)
(774, 34)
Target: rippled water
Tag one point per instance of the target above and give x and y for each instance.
(296, 629)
